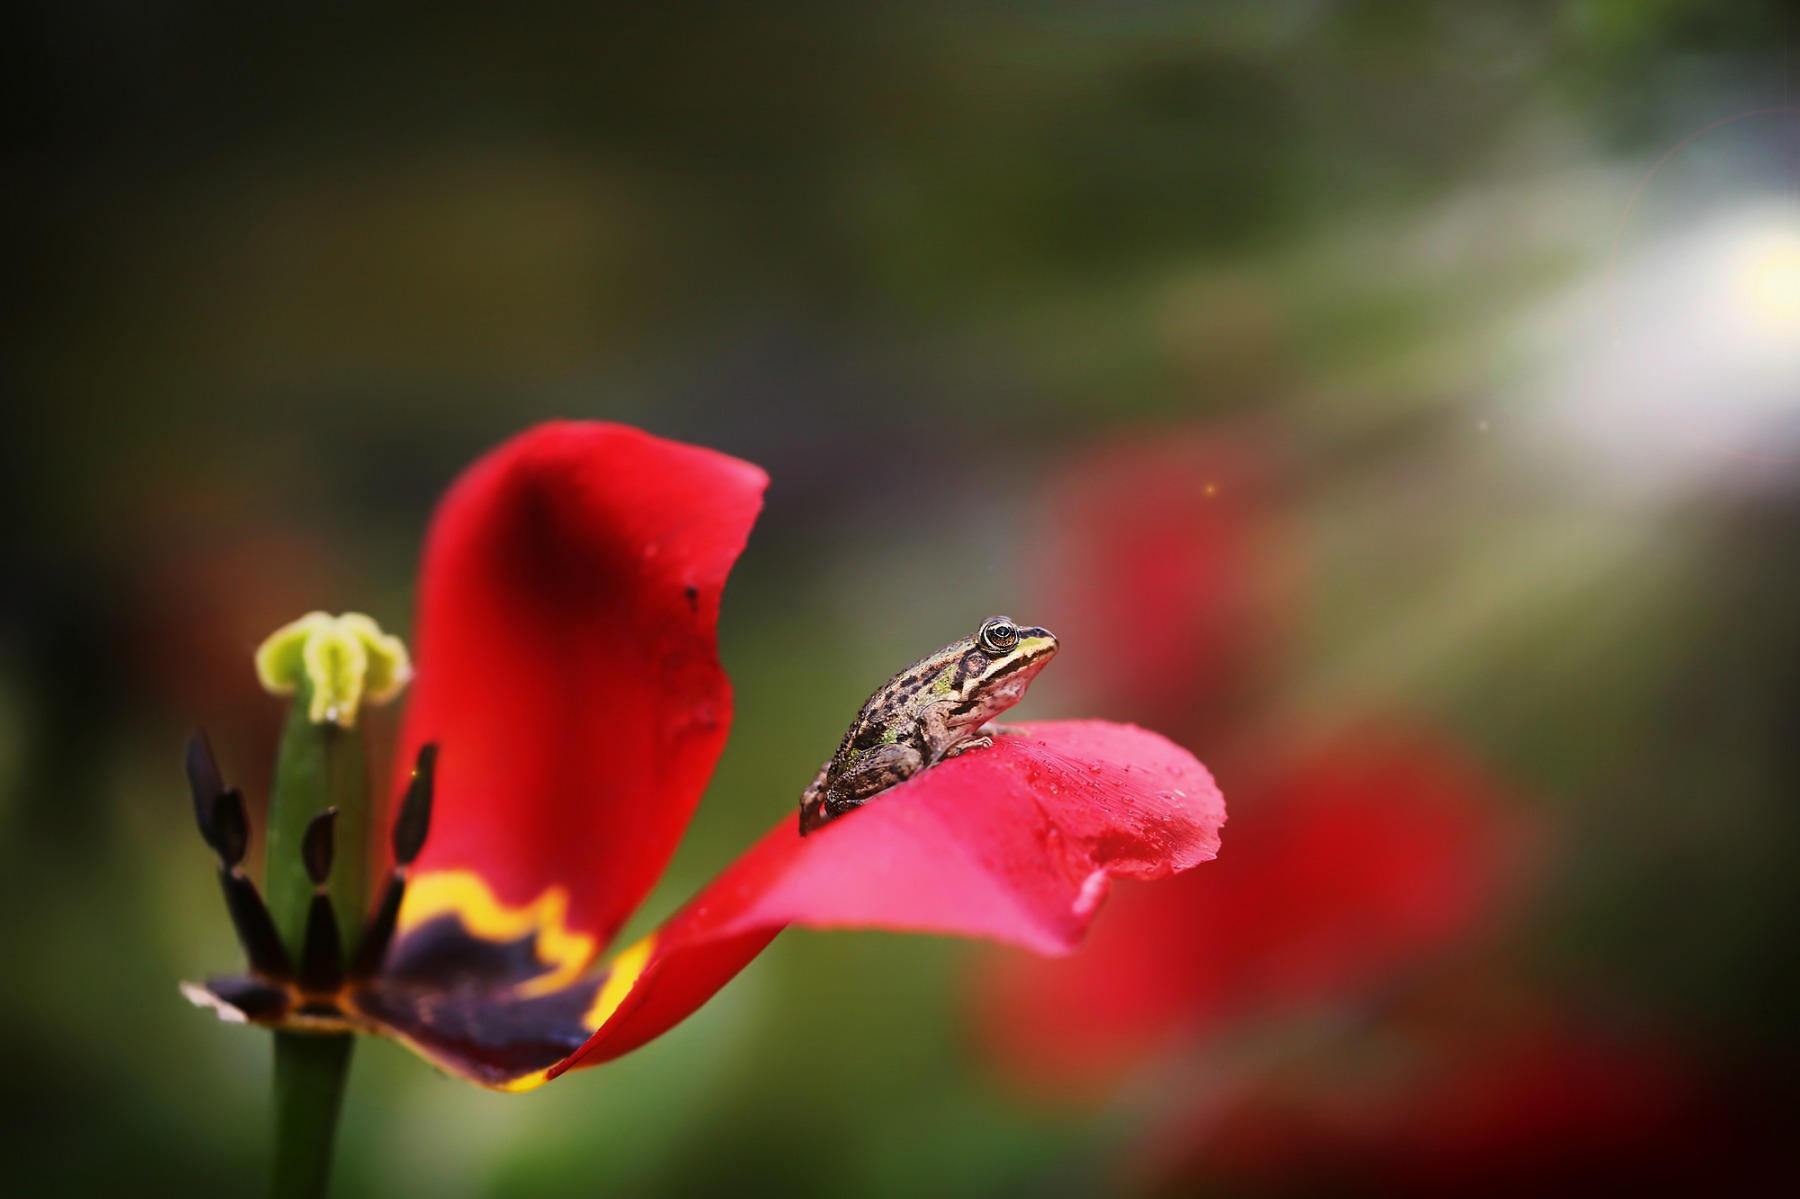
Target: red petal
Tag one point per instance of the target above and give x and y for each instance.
(568, 661)
(1017, 843)
(1357, 864)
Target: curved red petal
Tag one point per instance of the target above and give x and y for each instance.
(1016, 843)
(1358, 862)
(568, 662)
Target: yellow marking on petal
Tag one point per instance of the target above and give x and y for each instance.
(345, 660)
(525, 1082)
(466, 895)
(627, 968)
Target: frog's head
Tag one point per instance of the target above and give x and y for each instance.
(1003, 659)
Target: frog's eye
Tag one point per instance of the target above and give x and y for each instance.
(999, 635)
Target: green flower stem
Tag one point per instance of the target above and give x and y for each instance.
(309, 1089)
(320, 765)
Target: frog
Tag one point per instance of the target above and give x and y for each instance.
(938, 708)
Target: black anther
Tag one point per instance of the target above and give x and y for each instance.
(371, 951)
(230, 826)
(414, 820)
(255, 927)
(205, 782)
(322, 953)
(317, 846)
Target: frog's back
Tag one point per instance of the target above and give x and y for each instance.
(892, 713)
(935, 709)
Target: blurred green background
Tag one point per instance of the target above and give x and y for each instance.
(280, 271)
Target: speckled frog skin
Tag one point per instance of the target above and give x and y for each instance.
(934, 709)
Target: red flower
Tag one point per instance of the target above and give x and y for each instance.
(567, 669)
(1364, 858)
(1352, 860)
(1254, 1003)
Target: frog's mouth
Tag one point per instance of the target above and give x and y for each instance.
(1007, 685)
(1005, 694)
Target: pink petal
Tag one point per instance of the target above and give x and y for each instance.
(1017, 843)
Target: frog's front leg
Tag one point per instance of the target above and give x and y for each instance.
(983, 738)
(872, 772)
(963, 747)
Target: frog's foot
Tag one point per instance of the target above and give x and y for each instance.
(963, 747)
(984, 737)
(813, 815)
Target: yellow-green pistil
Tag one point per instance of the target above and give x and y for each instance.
(331, 666)
(339, 660)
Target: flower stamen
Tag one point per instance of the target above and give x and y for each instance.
(322, 951)
(408, 838)
(225, 825)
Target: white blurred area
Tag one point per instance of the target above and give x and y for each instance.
(1679, 369)
(1639, 327)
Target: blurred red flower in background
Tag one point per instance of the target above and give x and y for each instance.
(1169, 561)
(204, 598)
(1165, 570)
(1254, 1004)
(1350, 865)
